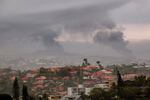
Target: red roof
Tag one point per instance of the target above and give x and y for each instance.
(89, 67)
(39, 83)
(106, 71)
(13, 78)
(73, 72)
(41, 78)
(40, 86)
(87, 73)
(98, 74)
(106, 77)
(66, 78)
(24, 78)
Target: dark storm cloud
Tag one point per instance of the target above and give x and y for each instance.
(22, 21)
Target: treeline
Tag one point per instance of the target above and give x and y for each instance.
(137, 89)
(23, 95)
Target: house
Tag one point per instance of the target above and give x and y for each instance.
(54, 97)
(104, 86)
(75, 97)
(130, 76)
(74, 93)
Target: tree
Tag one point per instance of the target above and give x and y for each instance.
(100, 94)
(147, 91)
(140, 80)
(84, 96)
(45, 96)
(120, 84)
(16, 91)
(148, 81)
(85, 62)
(113, 89)
(99, 64)
(128, 93)
(43, 71)
(5, 97)
(119, 79)
(25, 94)
(63, 72)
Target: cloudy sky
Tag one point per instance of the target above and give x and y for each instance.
(95, 27)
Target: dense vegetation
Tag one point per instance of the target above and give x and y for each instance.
(137, 89)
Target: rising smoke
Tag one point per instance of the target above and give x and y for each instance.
(21, 22)
(114, 39)
(48, 39)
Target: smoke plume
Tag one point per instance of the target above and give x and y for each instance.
(114, 39)
(48, 39)
(21, 22)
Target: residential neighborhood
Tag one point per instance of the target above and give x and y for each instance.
(60, 83)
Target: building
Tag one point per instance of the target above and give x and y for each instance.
(54, 97)
(74, 93)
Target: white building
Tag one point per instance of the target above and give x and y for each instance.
(74, 93)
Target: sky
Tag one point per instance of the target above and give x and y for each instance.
(90, 27)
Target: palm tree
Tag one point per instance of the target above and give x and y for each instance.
(85, 62)
(99, 64)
